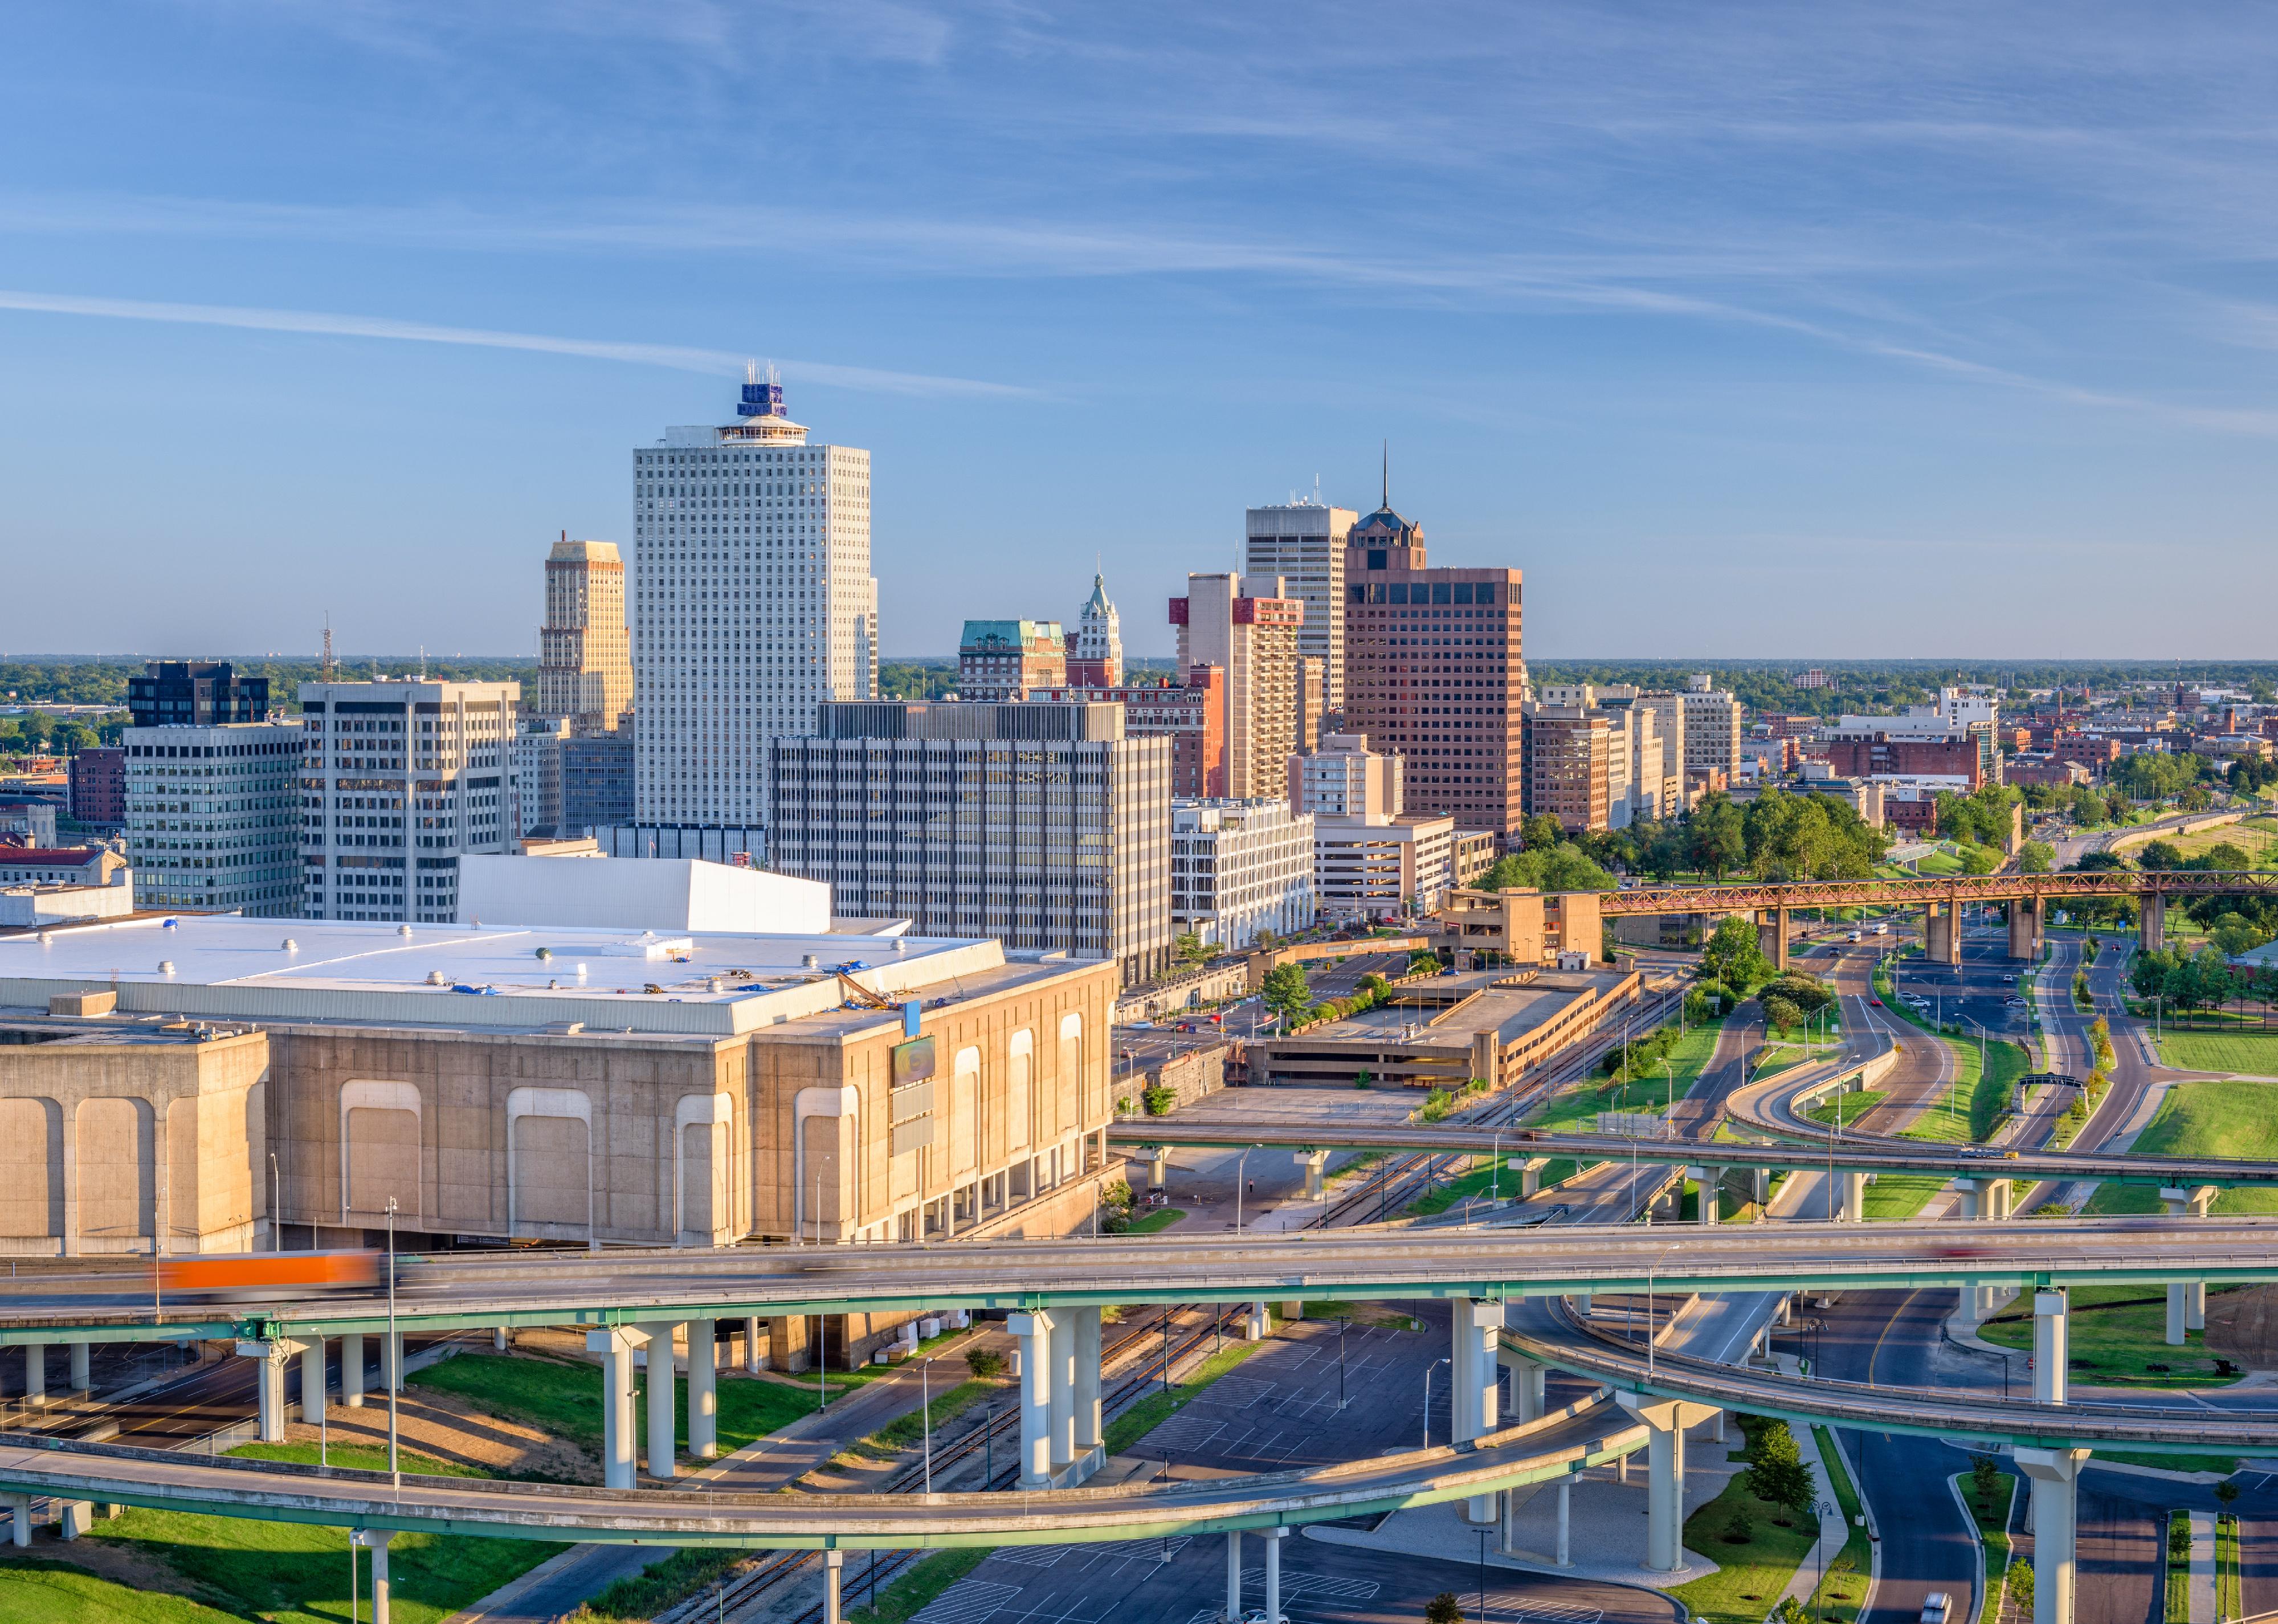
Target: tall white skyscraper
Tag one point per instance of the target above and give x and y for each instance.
(753, 602)
(1303, 542)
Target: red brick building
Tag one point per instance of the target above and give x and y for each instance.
(1884, 756)
(1189, 714)
(98, 786)
(1433, 675)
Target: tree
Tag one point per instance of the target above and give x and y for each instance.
(1731, 954)
(1539, 832)
(1776, 1473)
(1443, 1609)
(1984, 1477)
(1287, 992)
(1781, 1014)
(2034, 857)
(1717, 835)
(1187, 946)
(2159, 855)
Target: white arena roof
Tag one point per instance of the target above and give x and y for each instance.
(528, 977)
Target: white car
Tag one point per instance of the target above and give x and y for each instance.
(1936, 1606)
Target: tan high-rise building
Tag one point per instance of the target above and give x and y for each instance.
(1246, 627)
(1568, 755)
(584, 652)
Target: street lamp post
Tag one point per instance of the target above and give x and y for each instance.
(391, 1361)
(925, 1409)
(1494, 1171)
(1428, 1369)
(1822, 1510)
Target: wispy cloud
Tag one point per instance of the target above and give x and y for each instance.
(332, 324)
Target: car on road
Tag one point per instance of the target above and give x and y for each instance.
(1936, 1606)
(1853, 937)
(2012, 1003)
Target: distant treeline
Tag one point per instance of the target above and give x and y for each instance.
(1873, 685)
(104, 682)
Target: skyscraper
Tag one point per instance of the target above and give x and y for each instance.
(1249, 631)
(399, 779)
(1097, 659)
(584, 662)
(752, 603)
(1433, 673)
(194, 693)
(1045, 825)
(1303, 542)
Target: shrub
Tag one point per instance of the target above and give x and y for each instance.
(1158, 1100)
(987, 1363)
(1741, 1529)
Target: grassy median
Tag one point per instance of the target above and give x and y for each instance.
(2204, 1119)
(2119, 1337)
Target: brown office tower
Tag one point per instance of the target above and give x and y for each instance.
(1432, 674)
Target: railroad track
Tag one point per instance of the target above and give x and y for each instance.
(1405, 1178)
(742, 1590)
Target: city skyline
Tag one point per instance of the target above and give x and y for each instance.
(1954, 312)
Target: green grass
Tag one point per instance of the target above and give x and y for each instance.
(290, 1572)
(2255, 1054)
(1749, 1575)
(1992, 1519)
(1576, 1109)
(34, 1592)
(642, 1596)
(907, 1431)
(2204, 1119)
(1940, 862)
(2118, 1335)
(2224, 1464)
(909, 1594)
(360, 1457)
(1852, 1105)
(565, 1400)
(2228, 1580)
(2178, 1596)
(1162, 1218)
(1159, 1406)
(1842, 1601)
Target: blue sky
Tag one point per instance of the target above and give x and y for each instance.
(1751, 331)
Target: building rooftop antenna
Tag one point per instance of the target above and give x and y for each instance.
(1388, 474)
(325, 663)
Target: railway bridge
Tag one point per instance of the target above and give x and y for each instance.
(1941, 899)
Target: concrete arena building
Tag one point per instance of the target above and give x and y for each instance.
(545, 1083)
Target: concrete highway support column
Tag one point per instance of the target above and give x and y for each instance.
(834, 1569)
(1953, 930)
(752, 1346)
(1771, 935)
(1060, 1364)
(1854, 1196)
(19, 1520)
(1086, 1392)
(1530, 1177)
(1471, 1395)
(1233, 1576)
(270, 1385)
(1938, 930)
(1709, 1181)
(1526, 1385)
(787, 1344)
(2024, 928)
(1034, 1331)
(2151, 921)
(663, 1421)
(375, 1540)
(1274, 1539)
(35, 1373)
(78, 1363)
(1317, 1164)
(1257, 1324)
(312, 1382)
(703, 1389)
(617, 1457)
(2186, 1299)
(1158, 1168)
(2054, 1475)
(2051, 1347)
(352, 1369)
(1665, 1421)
